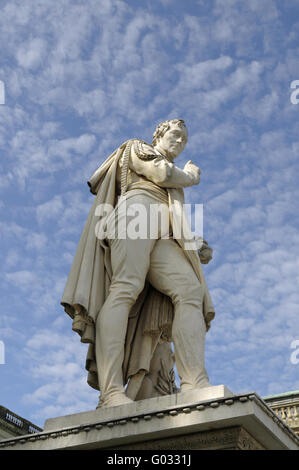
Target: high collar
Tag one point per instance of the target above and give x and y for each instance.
(162, 155)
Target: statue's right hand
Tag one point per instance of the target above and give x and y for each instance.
(193, 171)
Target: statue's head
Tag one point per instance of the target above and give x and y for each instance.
(170, 137)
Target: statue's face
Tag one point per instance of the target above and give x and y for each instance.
(173, 141)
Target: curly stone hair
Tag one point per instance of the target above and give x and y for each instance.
(164, 126)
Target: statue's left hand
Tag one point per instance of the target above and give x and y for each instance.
(205, 253)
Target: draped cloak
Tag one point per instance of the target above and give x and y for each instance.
(89, 279)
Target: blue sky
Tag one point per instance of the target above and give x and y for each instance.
(80, 78)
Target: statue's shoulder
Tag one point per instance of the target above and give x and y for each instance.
(143, 150)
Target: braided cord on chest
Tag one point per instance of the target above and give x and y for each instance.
(125, 167)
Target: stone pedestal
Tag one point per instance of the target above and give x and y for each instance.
(211, 418)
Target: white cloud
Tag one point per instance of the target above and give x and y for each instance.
(23, 279)
(50, 209)
(200, 75)
(81, 145)
(30, 54)
(57, 366)
(37, 241)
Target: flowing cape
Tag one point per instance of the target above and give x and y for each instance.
(88, 284)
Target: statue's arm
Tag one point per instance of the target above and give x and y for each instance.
(178, 178)
(163, 173)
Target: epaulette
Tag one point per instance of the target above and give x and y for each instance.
(144, 151)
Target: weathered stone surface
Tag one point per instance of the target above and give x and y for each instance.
(236, 438)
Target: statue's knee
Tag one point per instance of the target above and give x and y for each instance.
(127, 290)
(192, 293)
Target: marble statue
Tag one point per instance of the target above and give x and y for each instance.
(128, 295)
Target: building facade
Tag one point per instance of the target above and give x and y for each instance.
(12, 425)
(286, 406)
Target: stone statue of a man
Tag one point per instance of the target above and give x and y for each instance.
(127, 294)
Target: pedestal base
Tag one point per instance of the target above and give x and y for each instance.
(211, 418)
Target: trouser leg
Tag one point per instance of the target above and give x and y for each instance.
(188, 334)
(171, 273)
(130, 264)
